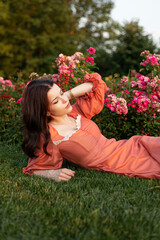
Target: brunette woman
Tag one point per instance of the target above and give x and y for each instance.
(55, 129)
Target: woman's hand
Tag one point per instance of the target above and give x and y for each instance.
(65, 174)
(58, 175)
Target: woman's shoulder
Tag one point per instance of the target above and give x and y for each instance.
(76, 110)
(53, 133)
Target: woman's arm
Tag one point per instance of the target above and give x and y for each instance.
(58, 175)
(91, 100)
(79, 90)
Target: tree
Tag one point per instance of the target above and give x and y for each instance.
(131, 42)
(95, 21)
(34, 32)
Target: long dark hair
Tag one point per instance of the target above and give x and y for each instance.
(35, 118)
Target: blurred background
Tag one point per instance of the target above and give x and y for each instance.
(34, 32)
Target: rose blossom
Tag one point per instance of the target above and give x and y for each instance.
(55, 77)
(118, 105)
(90, 60)
(91, 50)
(20, 100)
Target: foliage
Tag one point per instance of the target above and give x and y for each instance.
(92, 205)
(71, 71)
(132, 103)
(141, 115)
(97, 26)
(34, 32)
(131, 41)
(10, 112)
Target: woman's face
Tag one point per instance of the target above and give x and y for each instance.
(59, 104)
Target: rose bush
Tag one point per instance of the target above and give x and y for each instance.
(71, 71)
(10, 111)
(131, 105)
(135, 107)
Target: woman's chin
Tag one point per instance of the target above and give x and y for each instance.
(70, 108)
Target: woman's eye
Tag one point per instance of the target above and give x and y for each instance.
(57, 100)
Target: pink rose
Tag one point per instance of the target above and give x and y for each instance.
(91, 50)
(8, 83)
(108, 105)
(90, 60)
(2, 80)
(154, 98)
(55, 77)
(133, 106)
(107, 100)
(72, 75)
(20, 100)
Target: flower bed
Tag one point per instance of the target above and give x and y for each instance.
(131, 105)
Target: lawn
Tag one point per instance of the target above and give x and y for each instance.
(93, 205)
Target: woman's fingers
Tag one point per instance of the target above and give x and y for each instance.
(63, 179)
(68, 171)
(66, 174)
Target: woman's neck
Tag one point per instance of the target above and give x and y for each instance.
(60, 120)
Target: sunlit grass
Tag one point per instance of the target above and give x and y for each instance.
(93, 205)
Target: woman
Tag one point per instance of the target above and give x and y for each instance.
(54, 129)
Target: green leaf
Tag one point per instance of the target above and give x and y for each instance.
(75, 79)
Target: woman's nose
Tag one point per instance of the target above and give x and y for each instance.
(64, 99)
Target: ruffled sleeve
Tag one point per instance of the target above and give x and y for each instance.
(45, 162)
(92, 102)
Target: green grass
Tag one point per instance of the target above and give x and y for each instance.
(93, 205)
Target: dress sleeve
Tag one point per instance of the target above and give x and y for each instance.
(45, 162)
(91, 103)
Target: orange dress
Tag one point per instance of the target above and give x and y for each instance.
(87, 147)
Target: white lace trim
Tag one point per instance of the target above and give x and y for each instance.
(66, 138)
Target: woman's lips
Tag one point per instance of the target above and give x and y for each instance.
(68, 105)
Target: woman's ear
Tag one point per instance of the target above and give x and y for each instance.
(48, 114)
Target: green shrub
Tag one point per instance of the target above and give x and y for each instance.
(132, 105)
(11, 130)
